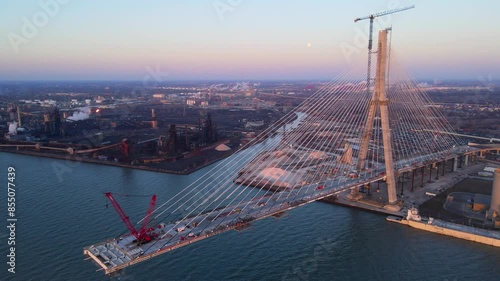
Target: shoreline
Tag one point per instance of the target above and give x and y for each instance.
(186, 171)
(453, 230)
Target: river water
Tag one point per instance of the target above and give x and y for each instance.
(61, 208)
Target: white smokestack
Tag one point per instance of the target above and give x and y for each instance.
(13, 128)
(82, 114)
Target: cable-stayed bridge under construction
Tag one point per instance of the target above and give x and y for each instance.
(346, 135)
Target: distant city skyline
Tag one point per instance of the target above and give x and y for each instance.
(240, 40)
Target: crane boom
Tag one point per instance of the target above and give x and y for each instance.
(122, 215)
(384, 13)
(143, 230)
(142, 235)
(370, 38)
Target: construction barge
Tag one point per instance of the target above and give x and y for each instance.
(483, 236)
(116, 254)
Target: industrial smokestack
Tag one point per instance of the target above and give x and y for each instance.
(19, 117)
(46, 122)
(154, 123)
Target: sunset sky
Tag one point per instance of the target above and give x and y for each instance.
(240, 39)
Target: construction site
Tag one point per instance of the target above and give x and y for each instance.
(345, 144)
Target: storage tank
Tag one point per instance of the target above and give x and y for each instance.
(495, 193)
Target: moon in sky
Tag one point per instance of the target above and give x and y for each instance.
(309, 45)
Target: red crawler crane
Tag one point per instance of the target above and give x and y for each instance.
(143, 235)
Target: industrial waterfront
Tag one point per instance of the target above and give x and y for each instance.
(318, 241)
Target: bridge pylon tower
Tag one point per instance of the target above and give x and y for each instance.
(380, 102)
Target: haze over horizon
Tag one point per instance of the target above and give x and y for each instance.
(240, 40)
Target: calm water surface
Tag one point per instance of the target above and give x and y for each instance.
(59, 216)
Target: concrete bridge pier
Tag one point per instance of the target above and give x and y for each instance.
(422, 170)
(412, 179)
(466, 160)
(354, 195)
(402, 179)
(437, 171)
(455, 164)
(430, 173)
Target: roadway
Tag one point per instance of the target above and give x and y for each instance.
(116, 254)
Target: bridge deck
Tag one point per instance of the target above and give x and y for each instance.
(116, 254)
